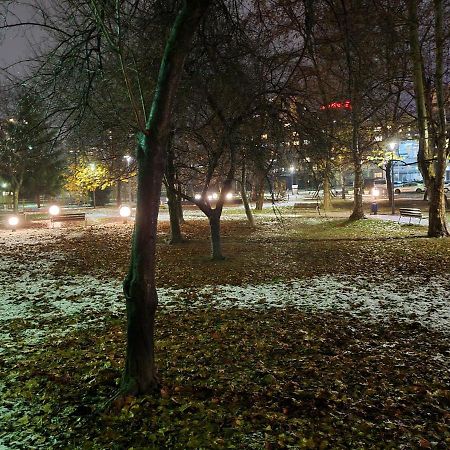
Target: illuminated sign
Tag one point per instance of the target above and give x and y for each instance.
(346, 104)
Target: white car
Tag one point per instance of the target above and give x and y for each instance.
(413, 186)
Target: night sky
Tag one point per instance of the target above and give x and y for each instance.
(17, 44)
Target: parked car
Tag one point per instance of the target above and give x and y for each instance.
(413, 186)
(447, 186)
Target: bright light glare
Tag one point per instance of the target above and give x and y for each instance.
(292, 169)
(13, 221)
(375, 192)
(54, 210)
(229, 196)
(392, 145)
(197, 196)
(215, 196)
(210, 197)
(125, 211)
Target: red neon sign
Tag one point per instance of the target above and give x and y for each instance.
(346, 104)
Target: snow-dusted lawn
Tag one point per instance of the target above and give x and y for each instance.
(36, 305)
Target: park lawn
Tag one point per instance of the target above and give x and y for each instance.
(313, 333)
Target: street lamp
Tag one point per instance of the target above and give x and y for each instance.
(392, 146)
(125, 212)
(292, 170)
(54, 210)
(13, 221)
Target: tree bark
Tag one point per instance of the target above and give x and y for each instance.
(140, 375)
(437, 222)
(389, 182)
(358, 188)
(216, 245)
(179, 198)
(173, 200)
(326, 192)
(432, 161)
(16, 200)
(259, 193)
(248, 210)
(119, 193)
(342, 184)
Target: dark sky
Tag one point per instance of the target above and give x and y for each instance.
(16, 44)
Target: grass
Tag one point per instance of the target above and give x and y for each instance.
(239, 378)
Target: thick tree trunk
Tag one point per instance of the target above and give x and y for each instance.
(175, 229)
(248, 210)
(216, 246)
(431, 163)
(139, 287)
(139, 376)
(437, 223)
(437, 219)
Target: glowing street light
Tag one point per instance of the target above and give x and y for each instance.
(197, 196)
(125, 212)
(54, 210)
(13, 221)
(229, 196)
(392, 146)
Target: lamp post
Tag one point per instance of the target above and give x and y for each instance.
(128, 159)
(292, 170)
(93, 167)
(392, 148)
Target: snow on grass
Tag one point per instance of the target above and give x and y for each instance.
(36, 304)
(42, 306)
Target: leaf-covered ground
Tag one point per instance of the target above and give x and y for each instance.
(315, 334)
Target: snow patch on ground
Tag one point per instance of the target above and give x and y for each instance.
(34, 309)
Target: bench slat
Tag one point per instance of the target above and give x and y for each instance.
(68, 217)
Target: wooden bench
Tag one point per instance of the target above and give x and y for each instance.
(411, 213)
(69, 217)
(308, 206)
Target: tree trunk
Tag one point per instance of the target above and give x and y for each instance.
(326, 193)
(248, 210)
(179, 198)
(342, 185)
(173, 200)
(38, 201)
(437, 223)
(389, 182)
(358, 188)
(140, 376)
(16, 200)
(259, 193)
(431, 163)
(216, 246)
(119, 193)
